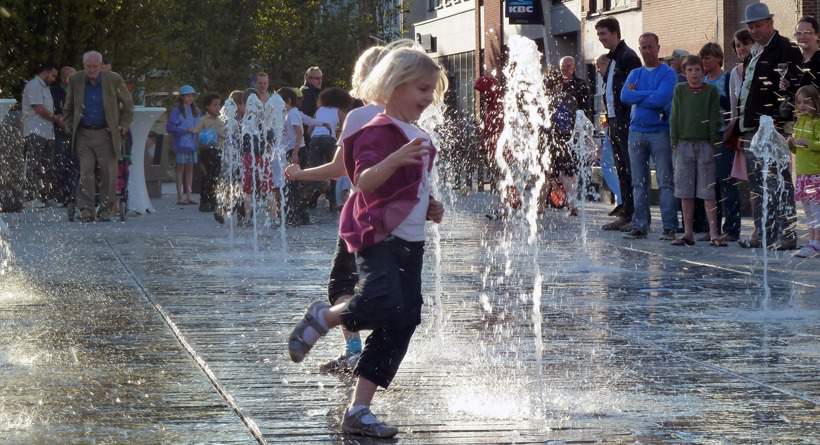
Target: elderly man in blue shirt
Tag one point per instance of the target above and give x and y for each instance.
(98, 109)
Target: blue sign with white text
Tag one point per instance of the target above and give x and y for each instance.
(524, 12)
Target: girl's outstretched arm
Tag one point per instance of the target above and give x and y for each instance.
(332, 170)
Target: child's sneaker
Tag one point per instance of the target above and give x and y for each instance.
(807, 251)
(342, 364)
(365, 423)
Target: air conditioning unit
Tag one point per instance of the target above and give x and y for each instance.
(427, 41)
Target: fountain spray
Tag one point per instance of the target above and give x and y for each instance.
(522, 163)
(772, 149)
(227, 194)
(430, 121)
(252, 132)
(582, 144)
(274, 125)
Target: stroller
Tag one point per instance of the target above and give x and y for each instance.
(123, 164)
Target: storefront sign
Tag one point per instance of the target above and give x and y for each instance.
(524, 12)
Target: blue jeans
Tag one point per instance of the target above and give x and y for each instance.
(608, 169)
(728, 197)
(641, 146)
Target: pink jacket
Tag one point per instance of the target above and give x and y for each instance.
(368, 218)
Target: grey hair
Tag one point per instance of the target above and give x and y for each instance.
(89, 55)
(566, 58)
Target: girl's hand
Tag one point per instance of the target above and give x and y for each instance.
(292, 172)
(435, 211)
(409, 154)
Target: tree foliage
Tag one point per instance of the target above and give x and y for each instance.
(32, 32)
(215, 45)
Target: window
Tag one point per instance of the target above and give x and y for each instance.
(439, 4)
(596, 6)
(461, 74)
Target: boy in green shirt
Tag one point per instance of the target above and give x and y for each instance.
(694, 131)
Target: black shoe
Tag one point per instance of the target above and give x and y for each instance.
(617, 211)
(786, 244)
(219, 218)
(635, 234)
(668, 235)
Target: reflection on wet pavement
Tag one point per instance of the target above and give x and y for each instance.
(643, 343)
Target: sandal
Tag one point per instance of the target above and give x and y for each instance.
(683, 242)
(750, 244)
(717, 242)
(297, 346)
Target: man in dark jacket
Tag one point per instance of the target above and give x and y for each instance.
(622, 60)
(760, 95)
(310, 92)
(67, 167)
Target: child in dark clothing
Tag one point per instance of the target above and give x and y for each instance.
(211, 131)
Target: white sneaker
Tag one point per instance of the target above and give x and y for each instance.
(807, 251)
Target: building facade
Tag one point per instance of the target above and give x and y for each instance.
(467, 36)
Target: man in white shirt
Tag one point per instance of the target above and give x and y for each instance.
(38, 132)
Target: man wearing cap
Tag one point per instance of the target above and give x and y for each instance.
(760, 95)
(98, 110)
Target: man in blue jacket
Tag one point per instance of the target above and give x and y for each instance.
(649, 91)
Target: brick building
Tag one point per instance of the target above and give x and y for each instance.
(714, 21)
(466, 35)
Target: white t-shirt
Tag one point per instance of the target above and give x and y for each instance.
(357, 119)
(326, 115)
(610, 90)
(412, 228)
(293, 120)
(37, 92)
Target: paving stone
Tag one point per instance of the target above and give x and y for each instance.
(642, 342)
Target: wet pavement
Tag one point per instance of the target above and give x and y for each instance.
(164, 330)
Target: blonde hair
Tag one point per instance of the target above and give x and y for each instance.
(369, 58)
(237, 96)
(398, 67)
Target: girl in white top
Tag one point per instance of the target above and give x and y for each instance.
(743, 46)
(333, 105)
